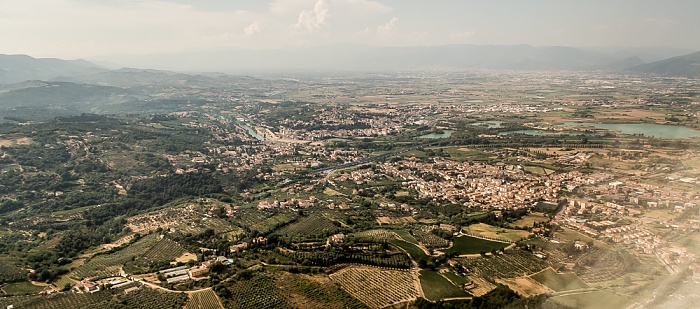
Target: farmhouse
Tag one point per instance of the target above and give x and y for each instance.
(335, 238)
(86, 286)
(198, 271)
(579, 245)
(238, 247)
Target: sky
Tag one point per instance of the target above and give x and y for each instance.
(98, 28)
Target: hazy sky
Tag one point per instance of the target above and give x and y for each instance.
(89, 28)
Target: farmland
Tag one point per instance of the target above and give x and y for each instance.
(20, 288)
(57, 301)
(253, 219)
(172, 217)
(456, 279)
(257, 291)
(149, 250)
(559, 282)
(205, 299)
(356, 211)
(146, 298)
(9, 272)
(530, 219)
(493, 232)
(395, 260)
(436, 287)
(377, 288)
(315, 291)
(313, 227)
(405, 235)
(471, 245)
(513, 263)
(593, 300)
(414, 251)
(376, 235)
(429, 240)
(525, 286)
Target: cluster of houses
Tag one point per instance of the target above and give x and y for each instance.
(485, 185)
(245, 245)
(184, 273)
(293, 203)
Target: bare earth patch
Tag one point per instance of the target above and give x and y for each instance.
(185, 258)
(525, 286)
(16, 142)
(389, 220)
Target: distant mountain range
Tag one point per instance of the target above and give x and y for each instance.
(31, 88)
(367, 58)
(686, 65)
(18, 68)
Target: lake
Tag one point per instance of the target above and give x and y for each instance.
(445, 134)
(656, 130)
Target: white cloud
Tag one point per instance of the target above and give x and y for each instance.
(253, 28)
(312, 20)
(390, 28)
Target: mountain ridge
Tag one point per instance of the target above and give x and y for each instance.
(684, 65)
(18, 68)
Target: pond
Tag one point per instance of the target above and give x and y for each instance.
(656, 130)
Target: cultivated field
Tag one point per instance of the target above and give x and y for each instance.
(429, 240)
(378, 288)
(593, 300)
(10, 272)
(413, 250)
(256, 292)
(57, 301)
(530, 219)
(472, 245)
(525, 286)
(313, 227)
(493, 232)
(315, 291)
(164, 219)
(205, 299)
(149, 249)
(377, 235)
(514, 263)
(559, 282)
(395, 220)
(436, 287)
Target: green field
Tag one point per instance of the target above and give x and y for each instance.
(593, 300)
(412, 250)
(456, 279)
(406, 236)
(467, 154)
(313, 227)
(20, 288)
(559, 282)
(436, 287)
(471, 245)
(530, 219)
